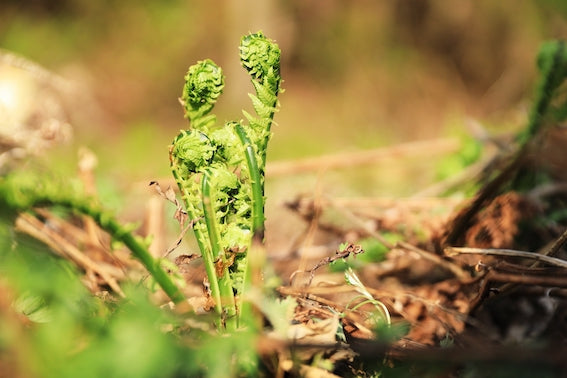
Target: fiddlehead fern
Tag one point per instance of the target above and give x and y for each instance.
(191, 150)
(220, 171)
(260, 56)
(204, 83)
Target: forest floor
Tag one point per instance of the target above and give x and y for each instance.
(387, 284)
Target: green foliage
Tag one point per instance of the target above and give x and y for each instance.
(469, 153)
(389, 333)
(279, 312)
(230, 355)
(204, 83)
(33, 307)
(191, 150)
(220, 170)
(131, 331)
(374, 251)
(548, 109)
(552, 64)
(23, 190)
(261, 58)
(74, 332)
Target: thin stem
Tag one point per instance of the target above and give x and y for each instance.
(205, 249)
(451, 251)
(557, 244)
(152, 265)
(221, 276)
(209, 214)
(255, 255)
(264, 147)
(256, 182)
(118, 232)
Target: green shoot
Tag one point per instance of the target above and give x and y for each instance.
(22, 191)
(220, 170)
(352, 279)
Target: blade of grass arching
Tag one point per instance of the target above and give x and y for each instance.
(35, 197)
(221, 276)
(117, 231)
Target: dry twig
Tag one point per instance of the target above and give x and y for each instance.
(451, 251)
(37, 229)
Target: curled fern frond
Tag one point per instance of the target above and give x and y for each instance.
(191, 150)
(204, 84)
(227, 144)
(260, 56)
(220, 171)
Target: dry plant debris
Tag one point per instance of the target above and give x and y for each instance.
(464, 284)
(484, 294)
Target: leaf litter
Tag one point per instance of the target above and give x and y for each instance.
(424, 299)
(467, 284)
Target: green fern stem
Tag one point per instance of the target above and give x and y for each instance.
(220, 276)
(220, 171)
(113, 227)
(256, 182)
(255, 249)
(22, 192)
(183, 170)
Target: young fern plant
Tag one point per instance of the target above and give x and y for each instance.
(220, 170)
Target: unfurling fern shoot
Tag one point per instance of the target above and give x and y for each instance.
(220, 170)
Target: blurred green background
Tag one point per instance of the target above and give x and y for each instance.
(357, 75)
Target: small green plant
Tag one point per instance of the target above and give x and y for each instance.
(220, 170)
(383, 315)
(548, 110)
